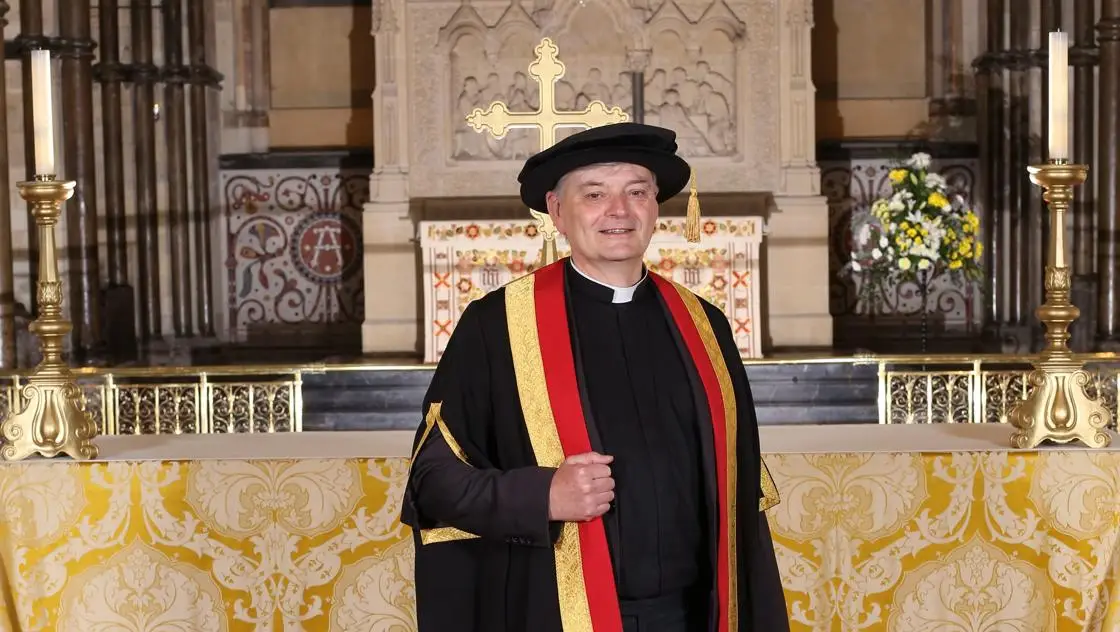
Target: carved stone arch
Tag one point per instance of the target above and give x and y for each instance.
(627, 20)
(720, 17)
(515, 21)
(464, 22)
(669, 18)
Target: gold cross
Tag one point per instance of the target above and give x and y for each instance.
(546, 69)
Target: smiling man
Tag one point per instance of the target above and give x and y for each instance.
(589, 457)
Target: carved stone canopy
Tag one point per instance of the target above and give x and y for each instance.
(711, 70)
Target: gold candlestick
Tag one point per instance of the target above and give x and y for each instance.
(1058, 409)
(51, 418)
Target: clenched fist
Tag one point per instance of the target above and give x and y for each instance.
(582, 488)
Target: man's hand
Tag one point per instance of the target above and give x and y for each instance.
(582, 488)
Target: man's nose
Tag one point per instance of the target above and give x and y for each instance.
(618, 206)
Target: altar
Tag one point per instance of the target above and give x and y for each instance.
(880, 527)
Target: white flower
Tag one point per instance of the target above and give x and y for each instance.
(876, 254)
(919, 160)
(923, 264)
(935, 181)
(856, 266)
(896, 203)
(864, 234)
(904, 263)
(883, 242)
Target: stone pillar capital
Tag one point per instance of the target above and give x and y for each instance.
(637, 60)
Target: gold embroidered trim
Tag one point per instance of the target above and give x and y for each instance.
(770, 496)
(521, 313)
(731, 425)
(434, 419)
(444, 534)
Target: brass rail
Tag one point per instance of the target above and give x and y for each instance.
(269, 398)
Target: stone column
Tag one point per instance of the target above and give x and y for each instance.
(75, 48)
(8, 352)
(119, 301)
(1019, 128)
(144, 75)
(636, 63)
(389, 242)
(245, 127)
(798, 234)
(201, 79)
(174, 76)
(990, 93)
(1083, 58)
(1108, 178)
(951, 50)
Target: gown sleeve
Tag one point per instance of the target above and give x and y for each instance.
(454, 492)
(760, 582)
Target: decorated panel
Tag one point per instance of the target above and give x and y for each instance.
(294, 256)
(464, 260)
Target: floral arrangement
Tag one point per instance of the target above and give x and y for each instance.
(917, 233)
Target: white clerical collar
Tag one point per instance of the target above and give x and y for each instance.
(621, 294)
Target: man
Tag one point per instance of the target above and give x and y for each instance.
(589, 459)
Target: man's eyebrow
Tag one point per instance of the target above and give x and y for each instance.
(599, 183)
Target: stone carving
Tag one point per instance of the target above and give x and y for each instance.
(688, 81)
(698, 103)
(730, 76)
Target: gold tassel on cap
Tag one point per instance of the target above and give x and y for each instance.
(692, 217)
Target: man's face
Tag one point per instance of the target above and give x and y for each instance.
(607, 212)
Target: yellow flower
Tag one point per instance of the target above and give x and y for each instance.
(904, 225)
(938, 200)
(911, 232)
(979, 251)
(955, 264)
(950, 235)
(897, 175)
(917, 241)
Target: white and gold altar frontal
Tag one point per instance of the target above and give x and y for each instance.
(902, 527)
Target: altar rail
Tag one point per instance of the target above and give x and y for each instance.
(264, 398)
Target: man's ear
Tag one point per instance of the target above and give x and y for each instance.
(552, 201)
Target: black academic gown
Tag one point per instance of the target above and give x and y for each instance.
(486, 483)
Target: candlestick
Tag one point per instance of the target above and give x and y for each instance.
(43, 108)
(1059, 96)
(1058, 408)
(49, 417)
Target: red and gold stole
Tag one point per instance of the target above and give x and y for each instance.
(546, 381)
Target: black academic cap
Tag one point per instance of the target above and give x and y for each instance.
(654, 148)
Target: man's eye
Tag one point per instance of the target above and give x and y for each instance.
(594, 195)
(639, 193)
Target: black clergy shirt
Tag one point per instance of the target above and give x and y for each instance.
(639, 398)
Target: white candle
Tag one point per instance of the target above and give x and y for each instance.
(43, 105)
(1059, 96)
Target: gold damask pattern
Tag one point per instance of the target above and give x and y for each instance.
(210, 545)
(976, 542)
(971, 542)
